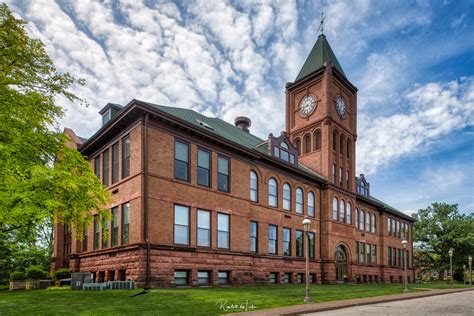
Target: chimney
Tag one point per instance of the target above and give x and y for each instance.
(243, 123)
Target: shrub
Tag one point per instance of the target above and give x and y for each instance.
(17, 276)
(36, 272)
(62, 274)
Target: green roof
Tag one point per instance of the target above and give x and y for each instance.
(320, 54)
(390, 208)
(212, 124)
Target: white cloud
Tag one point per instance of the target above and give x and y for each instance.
(436, 109)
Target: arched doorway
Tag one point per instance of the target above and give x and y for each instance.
(340, 259)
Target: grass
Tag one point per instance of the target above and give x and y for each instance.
(201, 301)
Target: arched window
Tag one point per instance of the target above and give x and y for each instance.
(374, 226)
(334, 208)
(318, 139)
(367, 225)
(253, 186)
(298, 145)
(356, 220)
(348, 213)
(299, 201)
(284, 145)
(341, 144)
(334, 140)
(310, 203)
(272, 192)
(348, 150)
(362, 220)
(307, 143)
(286, 197)
(342, 211)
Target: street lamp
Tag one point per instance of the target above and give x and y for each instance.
(306, 226)
(470, 271)
(464, 274)
(404, 245)
(450, 252)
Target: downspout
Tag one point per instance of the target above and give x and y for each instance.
(145, 204)
(321, 232)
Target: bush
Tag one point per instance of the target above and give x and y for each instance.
(36, 272)
(17, 276)
(62, 274)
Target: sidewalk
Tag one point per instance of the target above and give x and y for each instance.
(327, 306)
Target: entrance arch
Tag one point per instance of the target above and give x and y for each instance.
(340, 260)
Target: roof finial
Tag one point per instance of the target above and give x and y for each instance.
(321, 23)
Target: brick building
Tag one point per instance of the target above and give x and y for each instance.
(199, 201)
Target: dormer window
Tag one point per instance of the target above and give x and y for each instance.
(281, 148)
(107, 116)
(363, 187)
(109, 111)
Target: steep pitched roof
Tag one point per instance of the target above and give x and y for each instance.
(320, 54)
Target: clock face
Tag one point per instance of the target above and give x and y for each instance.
(307, 105)
(341, 105)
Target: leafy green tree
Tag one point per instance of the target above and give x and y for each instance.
(40, 177)
(438, 228)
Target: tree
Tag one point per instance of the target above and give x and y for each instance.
(41, 178)
(440, 227)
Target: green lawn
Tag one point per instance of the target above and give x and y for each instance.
(202, 301)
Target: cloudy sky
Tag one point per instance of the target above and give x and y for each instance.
(412, 61)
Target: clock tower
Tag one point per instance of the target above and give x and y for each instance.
(321, 117)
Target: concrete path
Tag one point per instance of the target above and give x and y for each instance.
(345, 304)
(461, 303)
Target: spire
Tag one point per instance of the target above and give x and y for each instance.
(319, 55)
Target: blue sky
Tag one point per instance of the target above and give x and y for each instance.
(412, 61)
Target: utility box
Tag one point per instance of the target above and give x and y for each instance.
(79, 278)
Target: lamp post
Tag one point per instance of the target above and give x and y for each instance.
(470, 271)
(306, 226)
(450, 252)
(404, 246)
(464, 274)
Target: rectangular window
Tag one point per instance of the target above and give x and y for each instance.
(299, 243)
(181, 225)
(334, 173)
(203, 228)
(389, 257)
(341, 175)
(106, 167)
(84, 240)
(369, 255)
(181, 160)
(125, 223)
(203, 277)
(311, 244)
(204, 168)
(223, 277)
(115, 226)
(272, 239)
(394, 257)
(286, 278)
(272, 278)
(181, 278)
(126, 156)
(374, 254)
(362, 252)
(286, 242)
(223, 229)
(97, 166)
(96, 232)
(222, 174)
(105, 233)
(347, 179)
(399, 231)
(357, 251)
(115, 162)
(253, 236)
(299, 278)
(399, 258)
